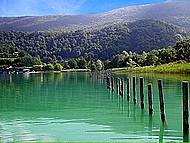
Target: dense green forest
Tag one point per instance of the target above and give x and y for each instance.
(141, 43)
(139, 36)
(180, 52)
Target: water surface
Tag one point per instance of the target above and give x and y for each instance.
(73, 107)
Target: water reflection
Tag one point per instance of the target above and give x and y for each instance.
(150, 125)
(50, 104)
(161, 132)
(173, 98)
(185, 137)
(128, 108)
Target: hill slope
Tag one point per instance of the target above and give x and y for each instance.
(175, 12)
(138, 36)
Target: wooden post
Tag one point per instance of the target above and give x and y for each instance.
(117, 84)
(185, 112)
(107, 78)
(108, 82)
(112, 84)
(142, 92)
(161, 96)
(128, 88)
(134, 90)
(122, 87)
(150, 99)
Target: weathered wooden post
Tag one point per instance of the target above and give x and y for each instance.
(112, 84)
(117, 84)
(134, 90)
(122, 87)
(119, 80)
(128, 88)
(150, 99)
(97, 75)
(142, 92)
(108, 82)
(161, 96)
(107, 79)
(185, 112)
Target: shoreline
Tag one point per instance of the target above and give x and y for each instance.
(171, 68)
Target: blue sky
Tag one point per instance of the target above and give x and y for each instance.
(64, 7)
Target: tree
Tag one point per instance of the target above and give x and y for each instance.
(151, 59)
(183, 49)
(37, 68)
(106, 64)
(93, 67)
(72, 64)
(167, 55)
(82, 63)
(49, 67)
(58, 67)
(59, 58)
(99, 65)
(26, 61)
(131, 63)
(125, 53)
(179, 37)
(47, 60)
(114, 63)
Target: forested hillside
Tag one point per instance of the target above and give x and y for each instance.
(139, 36)
(175, 12)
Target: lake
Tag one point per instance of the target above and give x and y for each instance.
(72, 107)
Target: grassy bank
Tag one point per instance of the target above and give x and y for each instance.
(175, 68)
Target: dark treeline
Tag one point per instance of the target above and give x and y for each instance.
(139, 36)
(180, 52)
(140, 43)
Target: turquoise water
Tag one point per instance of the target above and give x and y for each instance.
(73, 107)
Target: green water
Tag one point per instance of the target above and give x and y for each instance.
(58, 107)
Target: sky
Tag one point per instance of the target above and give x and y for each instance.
(10, 8)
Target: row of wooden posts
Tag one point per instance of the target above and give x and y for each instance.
(120, 91)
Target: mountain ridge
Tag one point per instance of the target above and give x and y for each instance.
(141, 35)
(174, 12)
